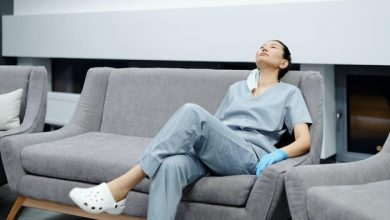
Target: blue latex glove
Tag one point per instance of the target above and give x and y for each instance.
(271, 158)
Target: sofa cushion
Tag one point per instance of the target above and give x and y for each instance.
(97, 157)
(91, 157)
(139, 101)
(221, 190)
(9, 109)
(367, 201)
(16, 77)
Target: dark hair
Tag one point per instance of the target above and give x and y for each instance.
(287, 56)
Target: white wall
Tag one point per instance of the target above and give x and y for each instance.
(332, 32)
(28, 7)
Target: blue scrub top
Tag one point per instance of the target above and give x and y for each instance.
(263, 119)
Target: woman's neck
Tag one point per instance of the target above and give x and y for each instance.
(268, 77)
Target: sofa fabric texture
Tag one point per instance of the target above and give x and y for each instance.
(32, 111)
(95, 163)
(354, 190)
(350, 202)
(33, 81)
(118, 113)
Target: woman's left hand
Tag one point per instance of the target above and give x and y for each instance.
(271, 158)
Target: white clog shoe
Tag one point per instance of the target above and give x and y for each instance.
(97, 199)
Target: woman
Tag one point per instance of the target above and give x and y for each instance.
(238, 139)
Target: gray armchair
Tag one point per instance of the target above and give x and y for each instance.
(33, 81)
(117, 115)
(355, 190)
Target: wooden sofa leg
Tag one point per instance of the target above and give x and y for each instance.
(56, 207)
(16, 208)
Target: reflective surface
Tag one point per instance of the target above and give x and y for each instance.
(368, 112)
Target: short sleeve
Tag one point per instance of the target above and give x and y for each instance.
(222, 106)
(296, 111)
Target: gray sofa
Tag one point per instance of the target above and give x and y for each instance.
(33, 81)
(118, 113)
(349, 191)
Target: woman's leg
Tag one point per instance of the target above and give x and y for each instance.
(165, 192)
(194, 130)
(120, 186)
(191, 130)
(174, 137)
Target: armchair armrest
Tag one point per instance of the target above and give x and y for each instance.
(266, 195)
(300, 179)
(34, 116)
(13, 145)
(284, 165)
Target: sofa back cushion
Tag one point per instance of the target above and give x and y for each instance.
(140, 100)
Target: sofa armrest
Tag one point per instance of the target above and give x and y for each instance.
(13, 145)
(267, 192)
(300, 179)
(284, 165)
(34, 117)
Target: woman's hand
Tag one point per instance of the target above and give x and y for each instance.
(271, 158)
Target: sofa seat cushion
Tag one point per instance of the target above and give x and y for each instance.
(97, 157)
(220, 190)
(367, 201)
(90, 157)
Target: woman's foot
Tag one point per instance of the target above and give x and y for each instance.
(97, 199)
(117, 189)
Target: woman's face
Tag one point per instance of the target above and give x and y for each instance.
(271, 54)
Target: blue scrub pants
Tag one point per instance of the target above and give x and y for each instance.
(190, 144)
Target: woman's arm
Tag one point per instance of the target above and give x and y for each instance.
(301, 145)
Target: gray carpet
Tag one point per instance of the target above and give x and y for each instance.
(7, 199)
